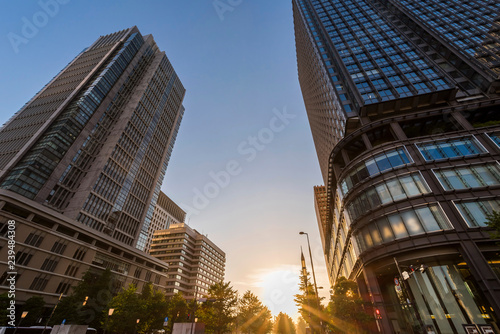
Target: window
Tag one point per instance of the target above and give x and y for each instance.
(49, 264)
(71, 270)
(378, 164)
(402, 224)
(34, 239)
(450, 148)
(137, 273)
(475, 212)
(39, 283)
(495, 136)
(79, 254)
(469, 176)
(391, 190)
(23, 258)
(58, 247)
(63, 288)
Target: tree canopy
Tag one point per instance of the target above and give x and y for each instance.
(253, 317)
(347, 310)
(283, 324)
(219, 312)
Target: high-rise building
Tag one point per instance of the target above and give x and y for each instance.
(81, 166)
(166, 212)
(402, 98)
(95, 142)
(195, 263)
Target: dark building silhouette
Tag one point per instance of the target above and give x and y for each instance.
(403, 99)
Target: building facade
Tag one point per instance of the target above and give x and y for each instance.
(81, 166)
(52, 252)
(403, 99)
(195, 263)
(95, 142)
(166, 212)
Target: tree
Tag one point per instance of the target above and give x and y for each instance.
(4, 312)
(177, 310)
(218, 313)
(127, 309)
(35, 306)
(253, 317)
(86, 303)
(347, 310)
(493, 221)
(307, 302)
(284, 324)
(154, 307)
(301, 326)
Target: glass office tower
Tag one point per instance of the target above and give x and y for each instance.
(403, 100)
(95, 142)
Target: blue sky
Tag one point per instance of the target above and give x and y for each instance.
(244, 121)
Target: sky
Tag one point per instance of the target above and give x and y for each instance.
(244, 164)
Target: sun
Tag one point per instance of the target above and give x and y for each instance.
(278, 288)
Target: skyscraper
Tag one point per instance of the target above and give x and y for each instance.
(194, 261)
(402, 99)
(95, 142)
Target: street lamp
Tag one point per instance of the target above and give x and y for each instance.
(23, 315)
(110, 313)
(137, 324)
(312, 267)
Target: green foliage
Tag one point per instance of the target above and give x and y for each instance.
(219, 312)
(35, 306)
(94, 286)
(154, 308)
(177, 310)
(253, 317)
(493, 221)
(4, 304)
(307, 302)
(127, 308)
(347, 307)
(283, 324)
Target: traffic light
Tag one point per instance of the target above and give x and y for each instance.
(377, 313)
(423, 268)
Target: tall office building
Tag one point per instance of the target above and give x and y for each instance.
(402, 98)
(81, 166)
(95, 142)
(194, 261)
(166, 212)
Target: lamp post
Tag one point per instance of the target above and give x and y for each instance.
(110, 313)
(51, 314)
(137, 324)
(312, 265)
(23, 315)
(312, 268)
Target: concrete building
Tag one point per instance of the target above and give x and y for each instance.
(194, 262)
(81, 166)
(166, 212)
(53, 252)
(402, 98)
(95, 142)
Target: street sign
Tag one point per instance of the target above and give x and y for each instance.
(165, 322)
